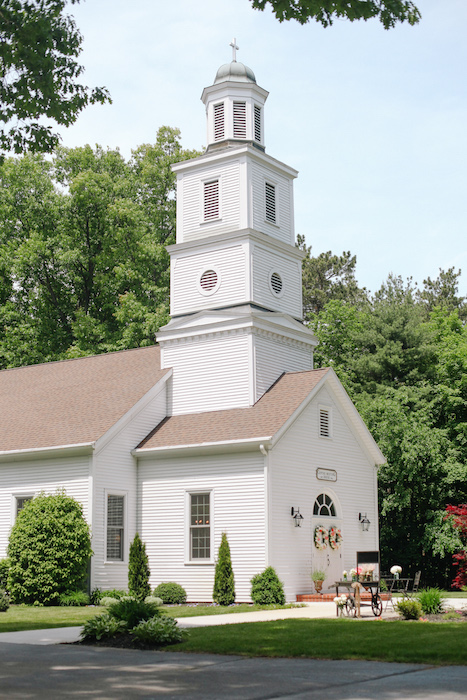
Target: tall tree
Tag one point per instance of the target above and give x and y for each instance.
(39, 46)
(388, 12)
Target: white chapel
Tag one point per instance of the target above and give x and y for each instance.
(223, 425)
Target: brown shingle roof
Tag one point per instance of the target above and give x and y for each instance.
(263, 419)
(75, 401)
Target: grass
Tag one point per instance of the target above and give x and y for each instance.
(28, 617)
(195, 610)
(406, 642)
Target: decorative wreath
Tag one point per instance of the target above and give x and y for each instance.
(321, 537)
(335, 537)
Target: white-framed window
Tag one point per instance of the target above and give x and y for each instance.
(239, 120)
(211, 204)
(209, 281)
(325, 422)
(200, 523)
(324, 506)
(219, 121)
(257, 117)
(115, 526)
(270, 202)
(19, 503)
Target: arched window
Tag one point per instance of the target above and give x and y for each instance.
(324, 506)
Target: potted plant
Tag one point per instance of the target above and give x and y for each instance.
(318, 576)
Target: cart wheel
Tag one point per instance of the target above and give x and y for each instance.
(350, 609)
(377, 606)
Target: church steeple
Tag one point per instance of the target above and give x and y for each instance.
(234, 106)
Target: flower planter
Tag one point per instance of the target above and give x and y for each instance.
(318, 586)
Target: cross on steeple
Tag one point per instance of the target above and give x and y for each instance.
(235, 48)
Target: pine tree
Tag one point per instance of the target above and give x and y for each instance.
(138, 570)
(224, 585)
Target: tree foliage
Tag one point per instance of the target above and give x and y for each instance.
(388, 12)
(402, 356)
(49, 549)
(39, 46)
(224, 585)
(138, 570)
(82, 250)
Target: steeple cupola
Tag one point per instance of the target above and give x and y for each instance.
(234, 107)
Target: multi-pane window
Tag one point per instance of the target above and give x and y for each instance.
(219, 121)
(200, 526)
(21, 502)
(115, 527)
(239, 120)
(325, 422)
(270, 195)
(257, 123)
(324, 506)
(211, 200)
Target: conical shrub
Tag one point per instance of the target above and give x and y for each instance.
(224, 584)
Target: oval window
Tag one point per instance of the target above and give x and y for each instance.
(276, 283)
(208, 280)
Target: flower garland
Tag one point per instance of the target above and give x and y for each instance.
(321, 537)
(335, 537)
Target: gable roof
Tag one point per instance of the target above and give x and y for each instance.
(73, 402)
(262, 420)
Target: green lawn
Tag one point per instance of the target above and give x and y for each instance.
(409, 642)
(28, 617)
(195, 610)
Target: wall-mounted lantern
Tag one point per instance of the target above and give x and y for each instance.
(364, 522)
(295, 513)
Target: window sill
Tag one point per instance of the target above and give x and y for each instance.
(201, 562)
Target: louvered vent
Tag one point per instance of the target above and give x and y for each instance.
(219, 121)
(211, 200)
(324, 423)
(270, 203)
(208, 280)
(276, 283)
(257, 123)
(239, 120)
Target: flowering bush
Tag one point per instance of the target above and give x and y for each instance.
(321, 537)
(335, 537)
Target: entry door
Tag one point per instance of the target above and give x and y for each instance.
(328, 560)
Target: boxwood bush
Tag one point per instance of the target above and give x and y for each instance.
(4, 601)
(409, 609)
(4, 569)
(266, 589)
(49, 550)
(171, 593)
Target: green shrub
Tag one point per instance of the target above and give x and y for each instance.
(409, 609)
(106, 601)
(138, 570)
(266, 589)
(95, 597)
(49, 549)
(153, 599)
(133, 611)
(431, 601)
(4, 569)
(77, 598)
(171, 593)
(224, 584)
(102, 627)
(4, 601)
(159, 630)
(116, 593)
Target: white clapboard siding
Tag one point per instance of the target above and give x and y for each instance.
(265, 262)
(21, 478)
(115, 472)
(293, 483)
(273, 357)
(210, 373)
(193, 226)
(283, 229)
(236, 483)
(230, 265)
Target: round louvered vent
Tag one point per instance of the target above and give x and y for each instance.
(208, 280)
(276, 283)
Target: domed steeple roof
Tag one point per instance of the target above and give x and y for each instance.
(236, 72)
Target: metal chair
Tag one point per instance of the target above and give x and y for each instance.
(414, 590)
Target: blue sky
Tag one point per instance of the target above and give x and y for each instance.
(375, 121)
